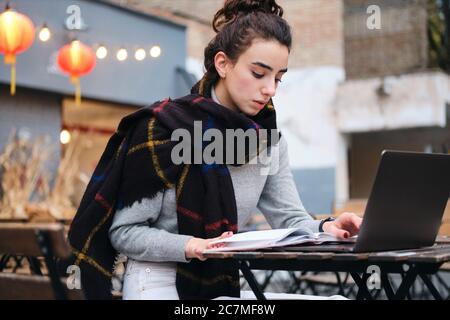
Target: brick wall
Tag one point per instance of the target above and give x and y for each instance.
(326, 32)
(400, 46)
(316, 24)
(317, 32)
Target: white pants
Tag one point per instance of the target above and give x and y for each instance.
(149, 281)
(156, 281)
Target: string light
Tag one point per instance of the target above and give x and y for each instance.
(122, 54)
(101, 52)
(44, 34)
(155, 51)
(140, 54)
(64, 137)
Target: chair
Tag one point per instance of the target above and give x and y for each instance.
(40, 244)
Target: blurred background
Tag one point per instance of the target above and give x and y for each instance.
(363, 76)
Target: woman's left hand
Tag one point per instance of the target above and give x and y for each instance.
(345, 226)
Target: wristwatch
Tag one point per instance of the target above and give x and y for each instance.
(323, 221)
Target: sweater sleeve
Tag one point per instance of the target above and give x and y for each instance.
(279, 201)
(132, 235)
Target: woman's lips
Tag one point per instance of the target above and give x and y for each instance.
(259, 104)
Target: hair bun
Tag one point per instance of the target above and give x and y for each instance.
(233, 8)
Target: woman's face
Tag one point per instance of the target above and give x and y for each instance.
(248, 84)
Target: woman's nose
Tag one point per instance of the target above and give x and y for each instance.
(269, 90)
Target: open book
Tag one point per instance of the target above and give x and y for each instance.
(252, 240)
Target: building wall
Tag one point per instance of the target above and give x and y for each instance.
(130, 81)
(306, 119)
(399, 46)
(316, 189)
(393, 102)
(366, 149)
(317, 26)
(196, 15)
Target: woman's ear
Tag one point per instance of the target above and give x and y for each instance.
(221, 62)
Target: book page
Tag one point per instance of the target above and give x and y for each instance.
(260, 239)
(263, 235)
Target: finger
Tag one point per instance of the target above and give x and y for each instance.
(215, 245)
(211, 245)
(350, 222)
(340, 233)
(344, 234)
(356, 224)
(226, 234)
(223, 235)
(356, 220)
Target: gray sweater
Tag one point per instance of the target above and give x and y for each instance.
(148, 230)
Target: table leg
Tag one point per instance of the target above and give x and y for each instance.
(340, 283)
(386, 284)
(406, 284)
(363, 291)
(442, 282)
(431, 286)
(4, 261)
(34, 265)
(248, 275)
(269, 276)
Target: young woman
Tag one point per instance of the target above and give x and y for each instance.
(163, 221)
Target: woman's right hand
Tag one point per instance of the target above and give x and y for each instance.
(195, 246)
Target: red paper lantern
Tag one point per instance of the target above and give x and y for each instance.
(16, 36)
(76, 59)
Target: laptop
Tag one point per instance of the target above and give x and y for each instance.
(405, 206)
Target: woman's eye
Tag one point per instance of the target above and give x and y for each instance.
(257, 75)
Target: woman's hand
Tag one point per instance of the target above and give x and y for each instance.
(195, 246)
(345, 226)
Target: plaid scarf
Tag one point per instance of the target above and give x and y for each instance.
(137, 164)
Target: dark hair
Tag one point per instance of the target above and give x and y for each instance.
(237, 24)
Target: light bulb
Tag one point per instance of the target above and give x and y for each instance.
(155, 51)
(44, 34)
(140, 54)
(64, 137)
(101, 52)
(122, 54)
